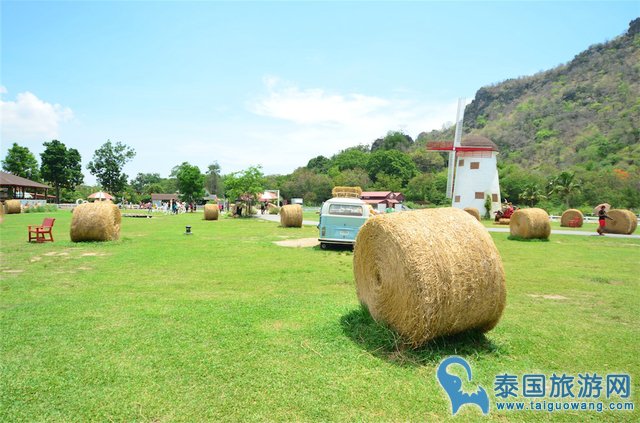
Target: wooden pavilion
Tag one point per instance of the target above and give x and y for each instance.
(17, 187)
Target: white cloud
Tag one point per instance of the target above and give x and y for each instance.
(30, 119)
(312, 121)
(315, 106)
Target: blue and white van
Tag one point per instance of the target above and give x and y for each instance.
(340, 220)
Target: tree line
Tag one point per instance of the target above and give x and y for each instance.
(392, 163)
(61, 168)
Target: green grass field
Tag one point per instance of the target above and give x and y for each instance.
(224, 325)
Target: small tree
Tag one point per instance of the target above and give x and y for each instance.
(61, 167)
(487, 206)
(107, 165)
(392, 163)
(564, 186)
(21, 162)
(394, 140)
(143, 182)
(74, 168)
(213, 180)
(190, 182)
(532, 194)
(245, 185)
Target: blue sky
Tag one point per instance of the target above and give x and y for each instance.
(269, 83)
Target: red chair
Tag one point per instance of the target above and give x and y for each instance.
(39, 233)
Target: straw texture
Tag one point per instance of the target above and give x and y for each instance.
(624, 222)
(99, 221)
(428, 273)
(473, 212)
(291, 216)
(572, 218)
(13, 206)
(530, 224)
(211, 212)
(354, 192)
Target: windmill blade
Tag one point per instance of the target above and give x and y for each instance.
(451, 171)
(459, 118)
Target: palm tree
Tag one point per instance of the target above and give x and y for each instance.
(564, 185)
(532, 194)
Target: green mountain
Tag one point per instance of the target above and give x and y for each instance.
(568, 137)
(585, 112)
(581, 118)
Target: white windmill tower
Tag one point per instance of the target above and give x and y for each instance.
(473, 171)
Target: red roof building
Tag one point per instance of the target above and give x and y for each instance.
(388, 198)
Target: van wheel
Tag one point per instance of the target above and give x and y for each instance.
(323, 245)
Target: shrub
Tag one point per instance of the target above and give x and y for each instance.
(47, 208)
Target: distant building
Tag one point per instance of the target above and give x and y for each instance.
(28, 191)
(388, 198)
(158, 199)
(476, 174)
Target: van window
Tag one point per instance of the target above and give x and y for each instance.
(346, 209)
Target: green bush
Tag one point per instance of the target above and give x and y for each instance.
(47, 208)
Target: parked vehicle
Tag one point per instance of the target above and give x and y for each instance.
(340, 220)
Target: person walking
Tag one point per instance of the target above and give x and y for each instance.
(602, 220)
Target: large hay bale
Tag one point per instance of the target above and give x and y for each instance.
(99, 221)
(291, 216)
(624, 222)
(473, 212)
(572, 218)
(354, 192)
(429, 273)
(13, 206)
(503, 221)
(211, 212)
(530, 224)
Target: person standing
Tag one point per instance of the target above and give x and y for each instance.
(602, 220)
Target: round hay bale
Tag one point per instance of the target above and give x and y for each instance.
(572, 218)
(211, 212)
(504, 221)
(473, 212)
(99, 221)
(354, 192)
(530, 224)
(429, 273)
(624, 222)
(13, 206)
(291, 216)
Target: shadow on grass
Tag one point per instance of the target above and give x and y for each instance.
(335, 247)
(384, 343)
(519, 238)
